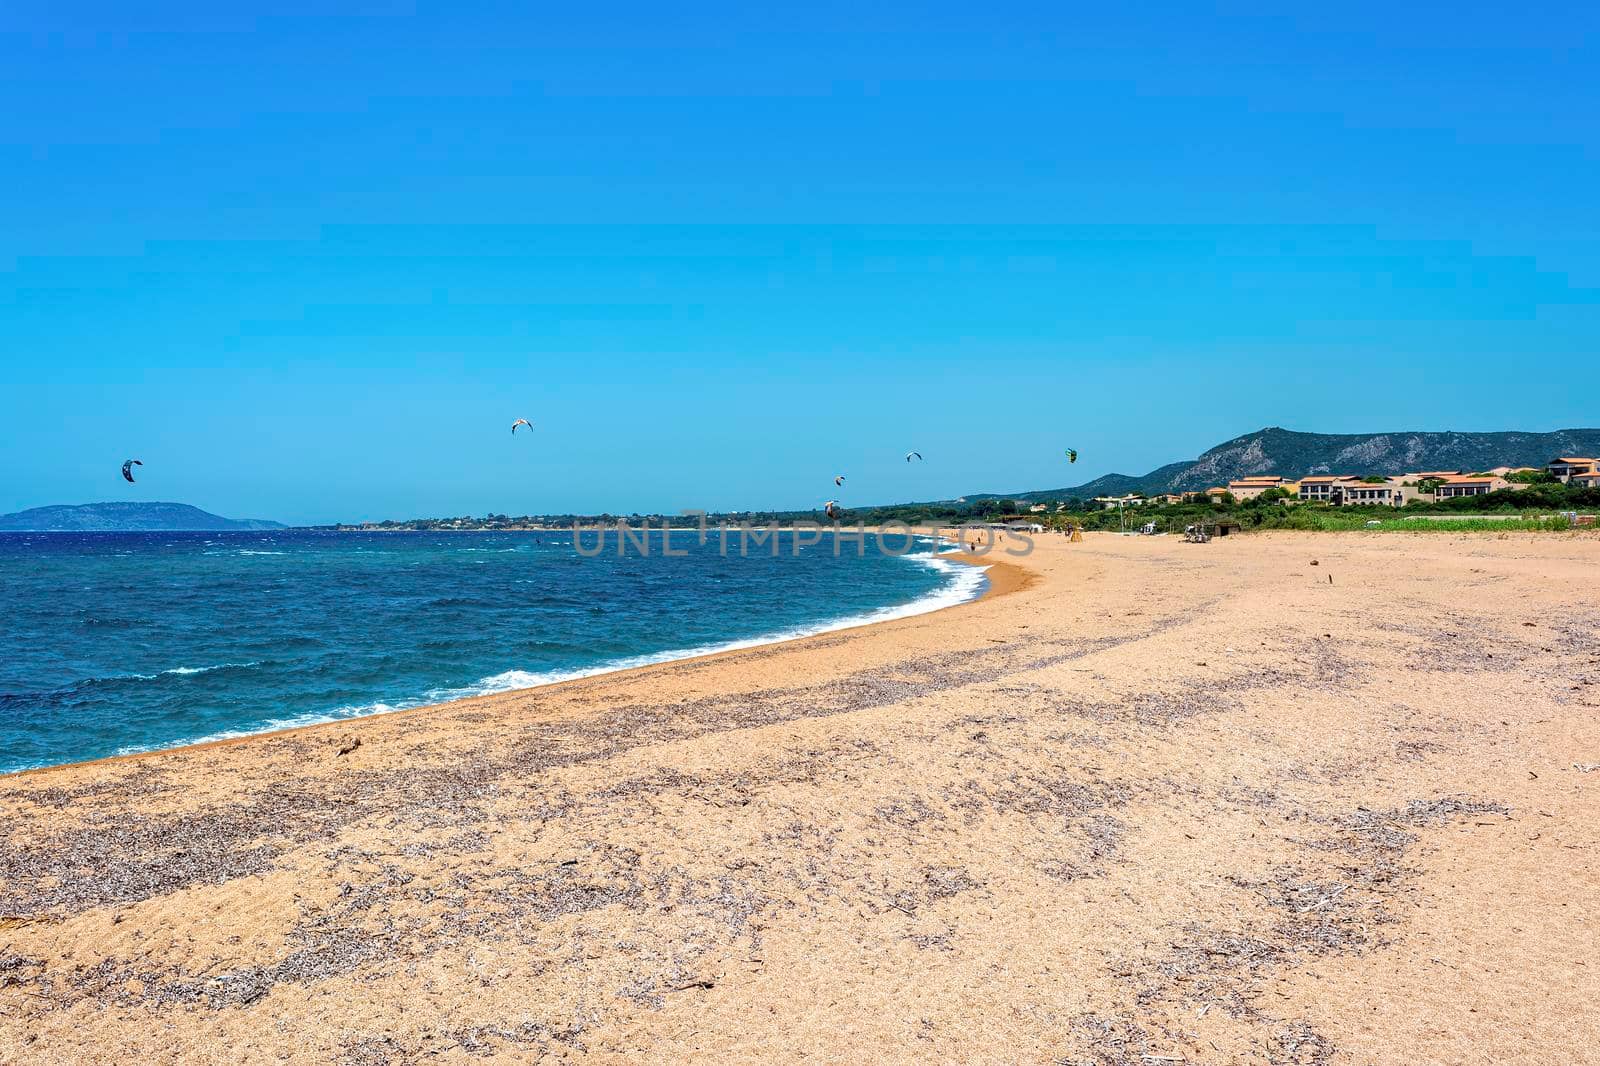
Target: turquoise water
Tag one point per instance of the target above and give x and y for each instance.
(113, 643)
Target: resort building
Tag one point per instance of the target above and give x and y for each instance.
(1248, 488)
(1110, 503)
(1380, 494)
(1406, 490)
(1566, 466)
(1325, 489)
(1591, 480)
(1470, 486)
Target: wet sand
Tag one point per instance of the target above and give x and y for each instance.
(1149, 802)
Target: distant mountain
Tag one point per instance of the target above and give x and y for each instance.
(1297, 455)
(124, 518)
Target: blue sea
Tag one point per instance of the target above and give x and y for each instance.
(113, 643)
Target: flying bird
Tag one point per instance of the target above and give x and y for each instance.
(520, 422)
(127, 470)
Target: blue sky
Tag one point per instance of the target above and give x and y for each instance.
(310, 266)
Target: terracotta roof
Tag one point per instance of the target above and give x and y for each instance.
(1328, 479)
(1570, 459)
(1471, 480)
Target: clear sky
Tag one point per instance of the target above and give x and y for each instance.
(310, 267)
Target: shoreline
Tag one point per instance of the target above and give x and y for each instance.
(1145, 800)
(1001, 578)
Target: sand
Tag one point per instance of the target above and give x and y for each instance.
(1156, 802)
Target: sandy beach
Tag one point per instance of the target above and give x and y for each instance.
(1278, 798)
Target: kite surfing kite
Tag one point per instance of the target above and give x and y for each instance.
(520, 422)
(831, 508)
(839, 480)
(127, 470)
(913, 455)
(1072, 455)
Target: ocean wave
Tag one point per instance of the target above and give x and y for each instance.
(85, 684)
(74, 687)
(965, 583)
(187, 671)
(273, 725)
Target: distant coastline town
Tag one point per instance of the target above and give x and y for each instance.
(1564, 493)
(1387, 490)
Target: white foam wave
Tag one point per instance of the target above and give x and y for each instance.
(188, 671)
(176, 671)
(274, 725)
(966, 583)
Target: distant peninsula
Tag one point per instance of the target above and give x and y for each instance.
(125, 518)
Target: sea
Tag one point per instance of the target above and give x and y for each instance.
(114, 643)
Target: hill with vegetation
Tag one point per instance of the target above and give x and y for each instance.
(125, 517)
(1296, 455)
(1269, 451)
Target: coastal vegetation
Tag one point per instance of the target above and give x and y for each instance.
(1500, 497)
(1535, 505)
